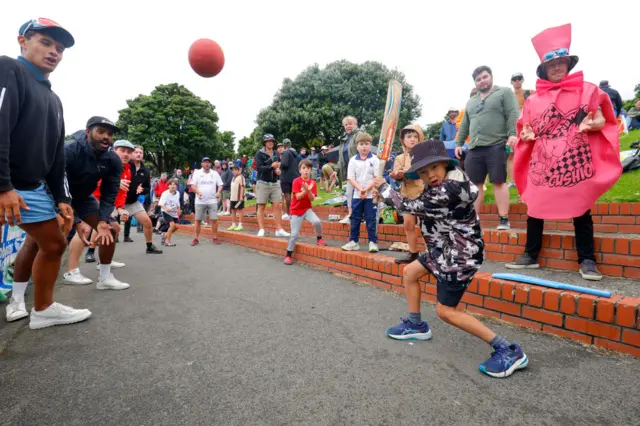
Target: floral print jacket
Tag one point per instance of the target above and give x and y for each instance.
(449, 224)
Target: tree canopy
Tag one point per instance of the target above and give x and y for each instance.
(309, 110)
(175, 127)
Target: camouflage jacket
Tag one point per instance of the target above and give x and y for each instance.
(449, 225)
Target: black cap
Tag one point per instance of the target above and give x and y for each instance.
(101, 121)
(49, 27)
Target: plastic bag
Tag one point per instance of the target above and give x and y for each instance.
(389, 216)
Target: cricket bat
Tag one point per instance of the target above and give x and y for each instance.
(389, 123)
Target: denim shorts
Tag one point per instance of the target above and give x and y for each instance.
(41, 205)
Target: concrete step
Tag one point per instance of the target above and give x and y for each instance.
(612, 322)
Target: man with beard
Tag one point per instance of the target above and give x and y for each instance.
(89, 161)
(32, 153)
(490, 119)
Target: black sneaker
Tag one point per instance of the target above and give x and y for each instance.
(410, 257)
(153, 250)
(90, 257)
(504, 223)
(589, 270)
(524, 262)
(128, 239)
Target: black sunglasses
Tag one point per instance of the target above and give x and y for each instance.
(517, 79)
(480, 106)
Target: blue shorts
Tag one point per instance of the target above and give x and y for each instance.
(41, 205)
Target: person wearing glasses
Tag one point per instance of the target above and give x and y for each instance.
(32, 169)
(567, 154)
(490, 119)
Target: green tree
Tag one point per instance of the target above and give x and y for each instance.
(227, 144)
(309, 110)
(174, 126)
(630, 103)
(247, 146)
(432, 131)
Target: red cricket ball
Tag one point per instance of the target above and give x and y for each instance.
(206, 57)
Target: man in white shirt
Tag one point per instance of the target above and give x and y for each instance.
(207, 185)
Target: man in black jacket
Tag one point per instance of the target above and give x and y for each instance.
(88, 161)
(32, 180)
(289, 167)
(614, 95)
(140, 185)
(268, 186)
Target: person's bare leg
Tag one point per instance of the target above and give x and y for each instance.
(197, 229)
(214, 228)
(240, 216)
(412, 273)
(501, 193)
(172, 228)
(277, 215)
(147, 227)
(261, 215)
(76, 247)
(287, 203)
(410, 231)
(46, 265)
(23, 265)
(465, 322)
(480, 200)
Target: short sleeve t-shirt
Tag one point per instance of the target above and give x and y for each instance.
(236, 184)
(171, 202)
(299, 207)
(207, 184)
(363, 171)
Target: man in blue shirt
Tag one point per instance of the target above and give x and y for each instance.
(449, 130)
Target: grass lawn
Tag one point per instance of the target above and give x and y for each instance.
(625, 190)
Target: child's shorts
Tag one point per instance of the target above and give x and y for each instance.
(450, 289)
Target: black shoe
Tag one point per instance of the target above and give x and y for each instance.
(90, 257)
(410, 257)
(524, 262)
(153, 250)
(128, 239)
(504, 223)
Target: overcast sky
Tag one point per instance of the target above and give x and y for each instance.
(125, 48)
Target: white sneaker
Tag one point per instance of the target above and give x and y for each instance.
(16, 310)
(351, 246)
(111, 283)
(282, 233)
(57, 314)
(261, 233)
(346, 220)
(373, 247)
(76, 278)
(114, 265)
(285, 217)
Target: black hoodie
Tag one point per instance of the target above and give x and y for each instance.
(266, 173)
(31, 131)
(227, 178)
(140, 176)
(289, 165)
(85, 169)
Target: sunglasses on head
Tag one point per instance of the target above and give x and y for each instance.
(558, 53)
(40, 23)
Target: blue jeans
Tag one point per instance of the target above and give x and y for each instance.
(366, 207)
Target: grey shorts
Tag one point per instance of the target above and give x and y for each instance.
(484, 160)
(268, 192)
(134, 208)
(204, 210)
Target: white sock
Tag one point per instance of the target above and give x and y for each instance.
(19, 290)
(105, 271)
(233, 225)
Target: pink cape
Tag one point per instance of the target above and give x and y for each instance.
(563, 172)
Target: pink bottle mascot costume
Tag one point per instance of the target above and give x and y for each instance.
(563, 172)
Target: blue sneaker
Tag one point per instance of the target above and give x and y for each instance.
(504, 361)
(407, 330)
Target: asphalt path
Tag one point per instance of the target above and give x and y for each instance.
(222, 335)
